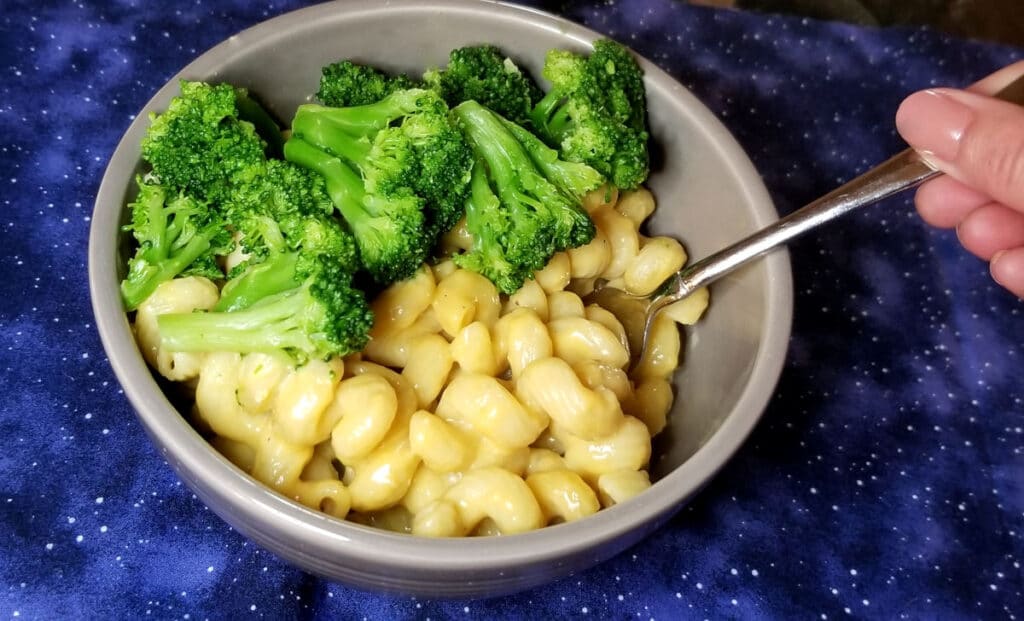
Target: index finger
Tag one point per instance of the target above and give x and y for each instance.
(999, 80)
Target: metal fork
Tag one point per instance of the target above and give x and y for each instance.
(901, 172)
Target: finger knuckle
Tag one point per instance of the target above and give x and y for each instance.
(998, 157)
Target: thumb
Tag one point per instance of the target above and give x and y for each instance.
(974, 138)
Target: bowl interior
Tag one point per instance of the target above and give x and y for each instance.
(708, 196)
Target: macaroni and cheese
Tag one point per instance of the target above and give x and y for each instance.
(469, 412)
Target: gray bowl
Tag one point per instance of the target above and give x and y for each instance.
(709, 195)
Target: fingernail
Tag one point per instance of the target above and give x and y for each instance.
(992, 266)
(934, 161)
(933, 122)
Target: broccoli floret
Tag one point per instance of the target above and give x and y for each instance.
(595, 111)
(176, 236)
(385, 158)
(344, 84)
(274, 274)
(519, 181)
(574, 178)
(282, 211)
(482, 73)
(407, 145)
(323, 316)
(389, 228)
(199, 144)
(366, 120)
(282, 190)
(509, 244)
(444, 160)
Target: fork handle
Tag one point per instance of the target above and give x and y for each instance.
(900, 172)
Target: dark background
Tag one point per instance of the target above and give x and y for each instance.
(993, 20)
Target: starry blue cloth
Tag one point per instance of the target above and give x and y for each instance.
(884, 481)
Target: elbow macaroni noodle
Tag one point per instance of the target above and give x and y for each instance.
(469, 413)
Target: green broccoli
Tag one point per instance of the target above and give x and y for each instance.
(367, 119)
(389, 228)
(385, 158)
(595, 112)
(518, 180)
(212, 181)
(323, 316)
(283, 211)
(263, 123)
(509, 244)
(345, 83)
(177, 236)
(406, 146)
(444, 162)
(574, 178)
(518, 212)
(425, 154)
(199, 144)
(482, 73)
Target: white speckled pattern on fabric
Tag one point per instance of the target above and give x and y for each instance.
(883, 482)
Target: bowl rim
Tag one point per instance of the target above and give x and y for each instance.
(260, 507)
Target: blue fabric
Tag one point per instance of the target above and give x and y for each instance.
(884, 480)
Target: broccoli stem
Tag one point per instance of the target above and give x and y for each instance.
(140, 284)
(163, 254)
(504, 155)
(480, 209)
(273, 324)
(521, 181)
(320, 131)
(344, 185)
(367, 119)
(481, 204)
(550, 117)
(573, 178)
(496, 253)
(155, 198)
(346, 190)
(272, 276)
(483, 214)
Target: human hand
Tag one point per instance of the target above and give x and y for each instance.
(978, 141)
